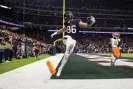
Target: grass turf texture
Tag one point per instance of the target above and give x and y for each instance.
(5, 67)
(79, 68)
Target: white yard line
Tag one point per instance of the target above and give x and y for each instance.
(37, 76)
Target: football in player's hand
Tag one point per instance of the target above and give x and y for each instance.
(91, 20)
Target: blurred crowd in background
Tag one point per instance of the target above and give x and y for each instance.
(39, 16)
(99, 43)
(50, 12)
(15, 45)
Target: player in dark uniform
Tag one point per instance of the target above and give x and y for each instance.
(71, 27)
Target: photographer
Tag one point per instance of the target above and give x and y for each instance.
(36, 50)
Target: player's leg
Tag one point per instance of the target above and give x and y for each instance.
(64, 60)
(74, 43)
(117, 53)
(69, 50)
(114, 56)
(113, 59)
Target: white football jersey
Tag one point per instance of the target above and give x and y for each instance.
(114, 42)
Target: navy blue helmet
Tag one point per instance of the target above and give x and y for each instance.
(68, 15)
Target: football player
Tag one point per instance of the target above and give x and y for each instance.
(115, 47)
(71, 27)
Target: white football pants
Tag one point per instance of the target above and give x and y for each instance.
(70, 44)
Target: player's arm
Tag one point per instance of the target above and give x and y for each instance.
(119, 42)
(58, 31)
(89, 21)
(62, 29)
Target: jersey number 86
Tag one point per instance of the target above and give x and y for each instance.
(71, 29)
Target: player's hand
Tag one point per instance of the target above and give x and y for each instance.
(120, 48)
(52, 36)
(55, 33)
(91, 20)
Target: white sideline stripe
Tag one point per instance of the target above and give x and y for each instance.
(31, 74)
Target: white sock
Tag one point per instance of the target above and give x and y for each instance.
(112, 58)
(64, 60)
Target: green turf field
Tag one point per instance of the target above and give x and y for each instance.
(16, 63)
(79, 68)
(123, 55)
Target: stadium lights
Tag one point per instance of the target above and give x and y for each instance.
(6, 7)
(130, 28)
(10, 23)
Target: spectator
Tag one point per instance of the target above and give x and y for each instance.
(1, 49)
(7, 50)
